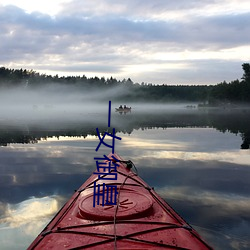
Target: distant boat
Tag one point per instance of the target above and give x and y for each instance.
(125, 110)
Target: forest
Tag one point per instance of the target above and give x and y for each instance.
(224, 93)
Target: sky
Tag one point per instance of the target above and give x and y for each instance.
(151, 41)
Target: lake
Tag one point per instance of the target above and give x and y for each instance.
(196, 159)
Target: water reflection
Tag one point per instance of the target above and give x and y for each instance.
(28, 211)
(20, 222)
(195, 166)
(84, 124)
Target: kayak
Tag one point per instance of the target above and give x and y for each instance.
(134, 216)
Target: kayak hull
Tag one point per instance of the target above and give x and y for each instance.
(141, 220)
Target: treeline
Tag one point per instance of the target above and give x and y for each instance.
(234, 92)
(237, 91)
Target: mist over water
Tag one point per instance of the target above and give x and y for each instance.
(47, 103)
(64, 103)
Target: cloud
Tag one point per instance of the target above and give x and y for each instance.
(26, 220)
(115, 30)
(29, 210)
(143, 10)
(233, 204)
(115, 38)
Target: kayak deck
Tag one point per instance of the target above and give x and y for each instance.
(141, 220)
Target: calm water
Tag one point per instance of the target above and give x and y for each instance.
(193, 158)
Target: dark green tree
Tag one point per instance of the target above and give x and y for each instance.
(246, 69)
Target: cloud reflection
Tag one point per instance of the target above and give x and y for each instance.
(28, 212)
(22, 222)
(225, 215)
(228, 203)
(185, 144)
(222, 156)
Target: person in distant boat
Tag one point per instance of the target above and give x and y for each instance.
(120, 107)
(125, 106)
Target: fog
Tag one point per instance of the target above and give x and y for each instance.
(45, 100)
(53, 103)
(66, 103)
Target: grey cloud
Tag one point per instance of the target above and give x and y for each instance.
(209, 71)
(134, 8)
(85, 68)
(217, 31)
(220, 31)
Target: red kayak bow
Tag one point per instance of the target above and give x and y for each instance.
(140, 219)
